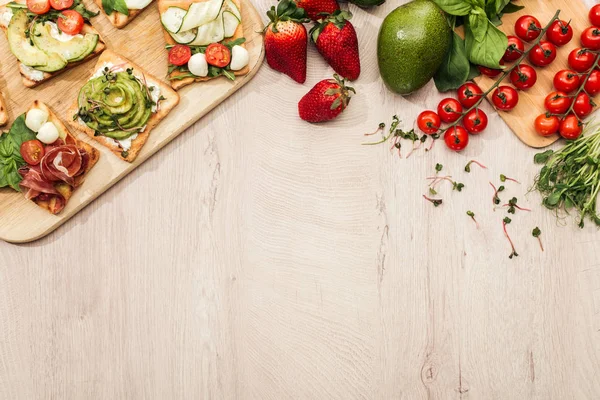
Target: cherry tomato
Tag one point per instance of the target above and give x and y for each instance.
(505, 98)
(70, 22)
(592, 86)
(32, 151)
(581, 60)
(583, 105)
(570, 127)
(492, 73)
(449, 110)
(528, 28)
(523, 77)
(38, 6)
(557, 103)
(542, 54)
(546, 125)
(590, 38)
(429, 122)
(218, 55)
(456, 138)
(594, 15)
(514, 50)
(475, 121)
(61, 4)
(560, 33)
(469, 94)
(566, 81)
(180, 54)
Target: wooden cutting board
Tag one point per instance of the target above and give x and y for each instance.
(531, 102)
(142, 42)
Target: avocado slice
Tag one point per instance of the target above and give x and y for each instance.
(75, 49)
(28, 54)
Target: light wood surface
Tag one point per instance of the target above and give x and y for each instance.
(531, 101)
(143, 43)
(260, 257)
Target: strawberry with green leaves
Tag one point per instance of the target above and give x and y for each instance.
(316, 8)
(336, 40)
(325, 101)
(285, 40)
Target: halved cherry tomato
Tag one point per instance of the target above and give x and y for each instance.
(514, 50)
(61, 4)
(594, 15)
(542, 54)
(449, 110)
(475, 121)
(492, 73)
(557, 102)
(570, 127)
(560, 33)
(523, 77)
(469, 94)
(32, 151)
(218, 55)
(180, 54)
(581, 60)
(528, 28)
(38, 6)
(505, 98)
(546, 125)
(566, 81)
(456, 138)
(592, 86)
(583, 105)
(590, 38)
(70, 22)
(429, 122)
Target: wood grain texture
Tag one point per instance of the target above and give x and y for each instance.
(20, 220)
(259, 257)
(531, 101)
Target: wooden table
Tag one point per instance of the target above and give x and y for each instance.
(260, 257)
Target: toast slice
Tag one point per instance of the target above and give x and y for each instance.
(3, 111)
(185, 4)
(171, 99)
(25, 71)
(116, 18)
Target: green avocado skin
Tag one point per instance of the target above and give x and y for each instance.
(412, 43)
(367, 3)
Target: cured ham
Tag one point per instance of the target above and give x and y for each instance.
(62, 163)
(34, 183)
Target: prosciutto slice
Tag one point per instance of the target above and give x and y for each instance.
(34, 183)
(62, 163)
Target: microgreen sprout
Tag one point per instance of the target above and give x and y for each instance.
(380, 128)
(513, 206)
(472, 215)
(504, 178)
(505, 222)
(536, 234)
(468, 166)
(438, 167)
(392, 130)
(435, 202)
(496, 198)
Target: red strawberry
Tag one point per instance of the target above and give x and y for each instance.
(285, 40)
(325, 101)
(336, 40)
(314, 8)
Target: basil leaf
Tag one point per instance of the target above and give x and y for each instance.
(478, 23)
(455, 7)
(473, 72)
(512, 8)
(115, 5)
(10, 152)
(455, 69)
(19, 133)
(490, 50)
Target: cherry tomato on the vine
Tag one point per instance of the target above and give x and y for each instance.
(492, 73)
(456, 138)
(542, 54)
(594, 15)
(557, 103)
(546, 125)
(429, 122)
(475, 121)
(514, 50)
(449, 110)
(590, 38)
(581, 60)
(566, 81)
(570, 127)
(505, 98)
(469, 94)
(592, 86)
(583, 105)
(560, 33)
(528, 28)
(523, 77)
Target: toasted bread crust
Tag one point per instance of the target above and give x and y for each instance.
(3, 111)
(116, 18)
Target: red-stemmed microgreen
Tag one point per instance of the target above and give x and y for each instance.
(513, 206)
(505, 222)
(536, 234)
(392, 130)
(435, 202)
(380, 129)
(468, 166)
(496, 198)
(472, 215)
(504, 178)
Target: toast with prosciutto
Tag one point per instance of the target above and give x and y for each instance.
(40, 158)
(205, 40)
(122, 12)
(120, 104)
(3, 111)
(47, 41)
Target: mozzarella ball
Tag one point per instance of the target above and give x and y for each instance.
(35, 118)
(239, 58)
(47, 133)
(198, 65)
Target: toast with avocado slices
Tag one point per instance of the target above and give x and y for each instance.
(50, 43)
(120, 105)
(3, 111)
(205, 40)
(122, 12)
(42, 159)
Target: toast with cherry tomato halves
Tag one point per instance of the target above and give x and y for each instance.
(49, 36)
(205, 40)
(120, 104)
(42, 159)
(122, 12)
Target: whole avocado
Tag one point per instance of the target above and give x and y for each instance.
(412, 44)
